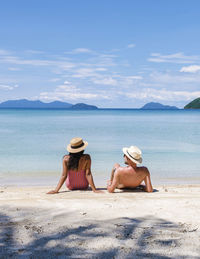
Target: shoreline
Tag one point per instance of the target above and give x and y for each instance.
(100, 181)
(125, 224)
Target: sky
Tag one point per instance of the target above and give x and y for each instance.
(109, 53)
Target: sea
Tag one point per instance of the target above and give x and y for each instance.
(33, 142)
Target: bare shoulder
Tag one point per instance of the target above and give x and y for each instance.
(121, 170)
(86, 157)
(66, 157)
(143, 169)
(118, 173)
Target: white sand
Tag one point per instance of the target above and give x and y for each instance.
(82, 224)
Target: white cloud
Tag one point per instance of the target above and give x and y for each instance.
(167, 78)
(67, 92)
(107, 56)
(134, 77)
(85, 72)
(162, 95)
(115, 80)
(190, 69)
(105, 81)
(66, 82)
(129, 80)
(102, 76)
(59, 65)
(101, 69)
(105, 60)
(82, 50)
(4, 52)
(66, 88)
(130, 46)
(178, 58)
(8, 87)
(64, 95)
(14, 69)
(65, 65)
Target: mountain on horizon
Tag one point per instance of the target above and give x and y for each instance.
(158, 106)
(195, 104)
(83, 106)
(27, 104)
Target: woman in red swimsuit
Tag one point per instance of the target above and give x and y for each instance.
(76, 168)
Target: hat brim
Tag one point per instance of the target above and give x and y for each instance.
(137, 161)
(76, 150)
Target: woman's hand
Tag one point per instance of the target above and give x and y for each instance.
(109, 183)
(98, 191)
(52, 192)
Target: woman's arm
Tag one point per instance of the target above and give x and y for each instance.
(89, 175)
(90, 180)
(62, 178)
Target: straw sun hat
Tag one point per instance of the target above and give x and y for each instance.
(76, 145)
(133, 153)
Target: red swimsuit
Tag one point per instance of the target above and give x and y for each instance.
(76, 180)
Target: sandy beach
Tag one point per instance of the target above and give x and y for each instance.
(82, 224)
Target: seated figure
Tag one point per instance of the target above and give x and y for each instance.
(130, 176)
(76, 168)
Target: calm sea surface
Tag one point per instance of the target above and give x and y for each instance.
(32, 143)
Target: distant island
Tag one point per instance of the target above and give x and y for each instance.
(27, 104)
(158, 106)
(195, 104)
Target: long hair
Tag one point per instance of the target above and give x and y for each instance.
(74, 160)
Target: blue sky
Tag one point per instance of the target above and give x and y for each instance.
(109, 53)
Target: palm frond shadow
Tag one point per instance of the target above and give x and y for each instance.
(117, 238)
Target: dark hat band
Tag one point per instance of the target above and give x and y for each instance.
(75, 147)
(132, 157)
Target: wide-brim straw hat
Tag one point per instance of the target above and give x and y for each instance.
(76, 145)
(133, 153)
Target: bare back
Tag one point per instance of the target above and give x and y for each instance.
(84, 162)
(131, 177)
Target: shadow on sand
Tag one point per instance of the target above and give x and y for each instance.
(118, 238)
(140, 188)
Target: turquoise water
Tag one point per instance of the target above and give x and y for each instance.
(32, 142)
